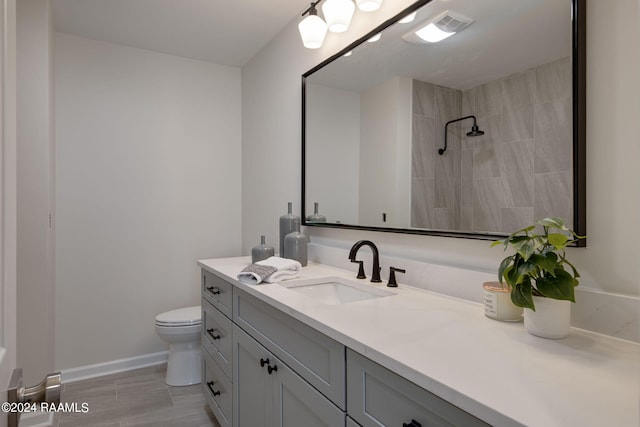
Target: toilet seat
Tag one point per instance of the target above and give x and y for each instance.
(188, 316)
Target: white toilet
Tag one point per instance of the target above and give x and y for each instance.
(181, 329)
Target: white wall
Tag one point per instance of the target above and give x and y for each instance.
(271, 81)
(35, 321)
(148, 181)
(271, 130)
(333, 137)
(385, 181)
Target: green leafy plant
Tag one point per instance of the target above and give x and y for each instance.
(538, 265)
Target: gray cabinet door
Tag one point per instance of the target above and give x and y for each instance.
(268, 393)
(314, 356)
(298, 404)
(252, 397)
(378, 397)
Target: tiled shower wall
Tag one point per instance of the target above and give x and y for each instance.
(520, 169)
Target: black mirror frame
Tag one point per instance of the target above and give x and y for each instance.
(579, 85)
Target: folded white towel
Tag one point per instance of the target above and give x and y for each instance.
(271, 270)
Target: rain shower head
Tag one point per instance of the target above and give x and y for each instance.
(475, 131)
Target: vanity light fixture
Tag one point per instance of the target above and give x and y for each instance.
(337, 18)
(439, 28)
(312, 28)
(338, 14)
(369, 5)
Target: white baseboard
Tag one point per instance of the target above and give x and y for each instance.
(113, 366)
(36, 419)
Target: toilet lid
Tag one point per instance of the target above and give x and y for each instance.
(181, 317)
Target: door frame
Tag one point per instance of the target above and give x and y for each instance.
(8, 196)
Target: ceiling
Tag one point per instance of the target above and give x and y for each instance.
(227, 32)
(506, 37)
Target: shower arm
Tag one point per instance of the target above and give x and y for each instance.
(442, 150)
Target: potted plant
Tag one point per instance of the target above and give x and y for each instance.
(541, 278)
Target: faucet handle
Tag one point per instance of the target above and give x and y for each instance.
(392, 276)
(361, 274)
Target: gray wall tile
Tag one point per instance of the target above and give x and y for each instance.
(516, 167)
(422, 147)
(553, 80)
(423, 99)
(554, 142)
(553, 196)
(493, 182)
(516, 218)
(488, 99)
(487, 204)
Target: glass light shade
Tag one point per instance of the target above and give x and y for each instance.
(338, 14)
(369, 5)
(312, 31)
(375, 38)
(409, 18)
(432, 34)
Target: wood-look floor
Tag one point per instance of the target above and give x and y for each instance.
(135, 398)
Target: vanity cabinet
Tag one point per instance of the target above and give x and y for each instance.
(315, 357)
(268, 393)
(262, 367)
(378, 397)
(217, 344)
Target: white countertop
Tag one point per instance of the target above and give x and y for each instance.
(493, 370)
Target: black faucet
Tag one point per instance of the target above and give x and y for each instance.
(392, 276)
(375, 274)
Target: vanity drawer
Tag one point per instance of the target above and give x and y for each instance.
(378, 397)
(217, 291)
(217, 336)
(218, 390)
(315, 357)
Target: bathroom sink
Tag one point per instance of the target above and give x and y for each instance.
(336, 290)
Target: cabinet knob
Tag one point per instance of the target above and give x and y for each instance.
(214, 290)
(413, 423)
(271, 369)
(211, 333)
(214, 392)
(264, 362)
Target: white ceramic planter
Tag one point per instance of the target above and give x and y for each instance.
(552, 318)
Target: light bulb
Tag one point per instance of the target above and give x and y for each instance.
(338, 14)
(312, 31)
(432, 34)
(369, 5)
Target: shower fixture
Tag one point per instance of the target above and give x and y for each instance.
(475, 131)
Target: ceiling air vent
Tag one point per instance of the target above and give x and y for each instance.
(436, 29)
(452, 22)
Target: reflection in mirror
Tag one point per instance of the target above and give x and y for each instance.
(472, 136)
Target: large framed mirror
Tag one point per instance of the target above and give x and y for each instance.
(473, 136)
